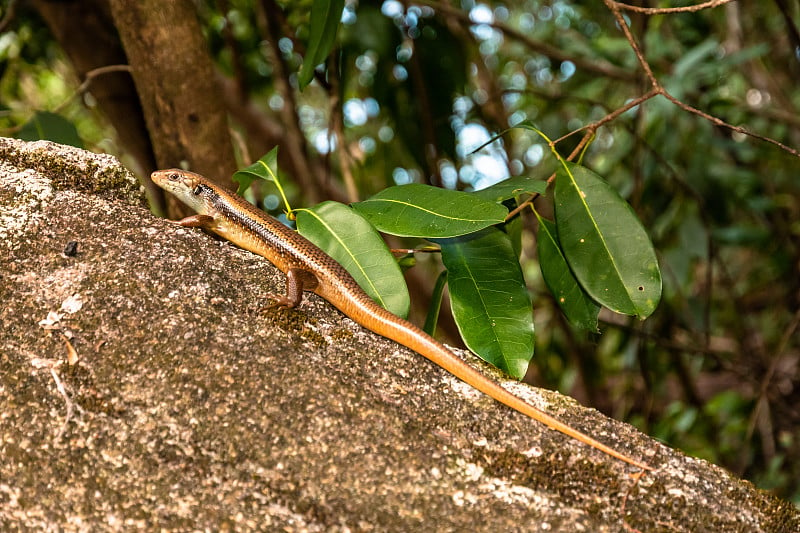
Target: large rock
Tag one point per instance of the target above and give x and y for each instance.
(142, 387)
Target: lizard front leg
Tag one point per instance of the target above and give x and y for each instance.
(195, 221)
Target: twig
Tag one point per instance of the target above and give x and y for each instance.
(670, 10)
(522, 206)
(721, 123)
(51, 365)
(794, 32)
(623, 25)
(603, 68)
(70, 406)
(657, 88)
(763, 403)
(637, 477)
(409, 251)
(8, 17)
(87, 81)
(611, 116)
(90, 76)
(244, 152)
(615, 7)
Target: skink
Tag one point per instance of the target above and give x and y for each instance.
(308, 268)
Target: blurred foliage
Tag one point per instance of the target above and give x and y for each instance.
(716, 370)
(35, 80)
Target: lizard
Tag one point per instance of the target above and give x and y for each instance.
(308, 268)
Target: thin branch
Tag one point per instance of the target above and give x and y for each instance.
(611, 116)
(90, 76)
(659, 89)
(634, 46)
(9, 16)
(241, 145)
(67, 400)
(721, 123)
(636, 478)
(670, 10)
(589, 65)
(521, 206)
(762, 403)
(82, 88)
(794, 32)
(592, 128)
(422, 250)
(52, 366)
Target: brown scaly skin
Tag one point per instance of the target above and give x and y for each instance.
(309, 268)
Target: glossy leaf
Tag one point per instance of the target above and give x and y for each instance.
(418, 210)
(512, 187)
(325, 18)
(265, 168)
(605, 244)
(432, 317)
(491, 305)
(514, 228)
(353, 242)
(577, 306)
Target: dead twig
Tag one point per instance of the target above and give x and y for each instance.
(636, 478)
(615, 8)
(670, 10)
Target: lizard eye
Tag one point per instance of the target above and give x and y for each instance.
(174, 176)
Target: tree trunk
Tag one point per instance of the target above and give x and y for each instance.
(174, 76)
(86, 33)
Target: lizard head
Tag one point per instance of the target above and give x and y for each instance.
(190, 188)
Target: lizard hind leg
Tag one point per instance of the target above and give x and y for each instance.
(297, 281)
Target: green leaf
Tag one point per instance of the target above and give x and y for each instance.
(265, 168)
(577, 306)
(744, 234)
(514, 229)
(51, 127)
(605, 244)
(353, 242)
(418, 210)
(432, 317)
(491, 305)
(695, 58)
(325, 18)
(511, 188)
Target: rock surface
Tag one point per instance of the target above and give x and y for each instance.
(142, 387)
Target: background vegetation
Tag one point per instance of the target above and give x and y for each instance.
(413, 87)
